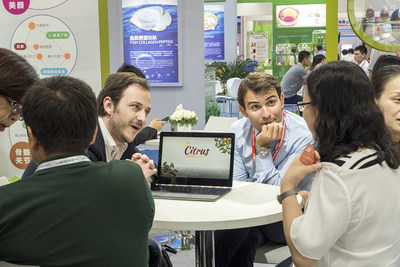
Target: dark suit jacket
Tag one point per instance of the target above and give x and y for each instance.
(96, 152)
(146, 134)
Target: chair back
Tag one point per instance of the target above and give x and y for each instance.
(219, 124)
(230, 85)
(235, 88)
(218, 87)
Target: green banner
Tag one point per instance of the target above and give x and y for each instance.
(288, 43)
(297, 27)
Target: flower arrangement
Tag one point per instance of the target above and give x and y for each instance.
(183, 117)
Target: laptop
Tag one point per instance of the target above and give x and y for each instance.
(194, 165)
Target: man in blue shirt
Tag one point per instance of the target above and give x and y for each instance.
(267, 141)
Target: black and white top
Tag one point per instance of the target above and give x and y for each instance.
(353, 213)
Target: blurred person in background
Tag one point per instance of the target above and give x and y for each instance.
(293, 79)
(344, 53)
(320, 51)
(392, 39)
(349, 56)
(318, 60)
(360, 52)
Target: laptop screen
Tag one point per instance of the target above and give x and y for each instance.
(196, 158)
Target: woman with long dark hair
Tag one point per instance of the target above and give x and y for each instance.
(386, 84)
(16, 76)
(351, 217)
(318, 60)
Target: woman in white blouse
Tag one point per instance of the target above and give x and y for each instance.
(351, 217)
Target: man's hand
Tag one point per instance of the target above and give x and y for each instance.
(157, 124)
(147, 165)
(269, 133)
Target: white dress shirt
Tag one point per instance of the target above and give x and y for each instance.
(112, 150)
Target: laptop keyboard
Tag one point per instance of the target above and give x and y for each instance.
(193, 190)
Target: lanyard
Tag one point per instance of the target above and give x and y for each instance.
(363, 64)
(253, 141)
(61, 162)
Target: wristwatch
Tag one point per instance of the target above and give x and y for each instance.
(284, 195)
(263, 151)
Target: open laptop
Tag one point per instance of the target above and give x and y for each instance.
(195, 165)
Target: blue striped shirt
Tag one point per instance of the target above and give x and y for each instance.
(265, 170)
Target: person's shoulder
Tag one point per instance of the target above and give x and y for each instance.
(240, 125)
(297, 125)
(299, 68)
(356, 160)
(294, 119)
(126, 172)
(128, 164)
(295, 67)
(117, 167)
(348, 57)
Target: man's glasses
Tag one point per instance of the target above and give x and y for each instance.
(300, 105)
(16, 108)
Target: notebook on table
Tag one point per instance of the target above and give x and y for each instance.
(194, 165)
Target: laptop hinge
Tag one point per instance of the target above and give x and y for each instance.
(202, 186)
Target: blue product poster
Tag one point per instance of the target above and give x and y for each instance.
(151, 38)
(214, 32)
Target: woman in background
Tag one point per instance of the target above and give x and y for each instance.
(347, 219)
(318, 60)
(16, 76)
(386, 85)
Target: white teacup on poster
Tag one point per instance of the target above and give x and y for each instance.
(151, 18)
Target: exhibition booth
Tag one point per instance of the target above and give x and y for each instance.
(194, 54)
(172, 41)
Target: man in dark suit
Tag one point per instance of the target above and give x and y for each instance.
(123, 106)
(149, 132)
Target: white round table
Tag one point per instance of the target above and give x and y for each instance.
(247, 205)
